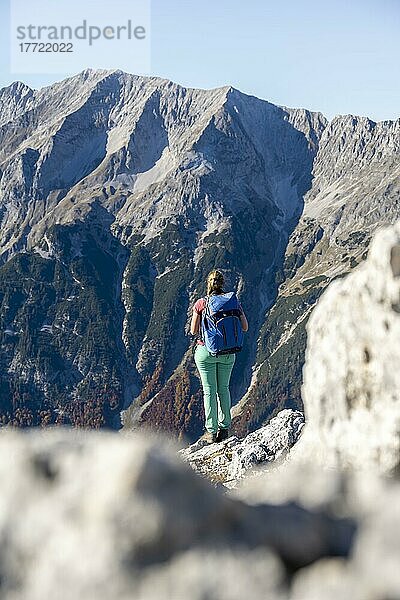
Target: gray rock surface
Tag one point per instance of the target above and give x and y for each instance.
(228, 461)
(351, 385)
(107, 516)
(371, 571)
(216, 575)
(122, 517)
(351, 396)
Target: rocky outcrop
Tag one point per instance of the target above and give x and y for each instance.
(370, 572)
(107, 516)
(351, 385)
(228, 461)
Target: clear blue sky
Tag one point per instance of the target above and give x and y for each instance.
(336, 56)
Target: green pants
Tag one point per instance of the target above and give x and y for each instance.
(215, 373)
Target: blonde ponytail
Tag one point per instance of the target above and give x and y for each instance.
(215, 283)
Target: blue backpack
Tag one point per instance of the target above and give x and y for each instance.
(221, 328)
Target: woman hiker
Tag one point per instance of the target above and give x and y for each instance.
(219, 320)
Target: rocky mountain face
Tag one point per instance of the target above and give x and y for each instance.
(355, 190)
(119, 193)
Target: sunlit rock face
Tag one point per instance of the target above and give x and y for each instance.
(229, 461)
(351, 388)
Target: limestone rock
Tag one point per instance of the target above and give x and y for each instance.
(216, 575)
(107, 516)
(228, 461)
(351, 388)
(372, 571)
(372, 501)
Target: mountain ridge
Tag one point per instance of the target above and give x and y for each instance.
(89, 71)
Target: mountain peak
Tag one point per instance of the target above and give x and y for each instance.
(18, 88)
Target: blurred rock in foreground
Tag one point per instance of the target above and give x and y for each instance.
(351, 388)
(371, 571)
(108, 516)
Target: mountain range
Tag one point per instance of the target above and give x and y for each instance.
(119, 193)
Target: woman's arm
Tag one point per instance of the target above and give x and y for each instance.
(243, 321)
(195, 323)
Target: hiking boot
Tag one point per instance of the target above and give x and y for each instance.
(222, 434)
(210, 437)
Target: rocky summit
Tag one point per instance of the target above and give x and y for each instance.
(229, 461)
(119, 193)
